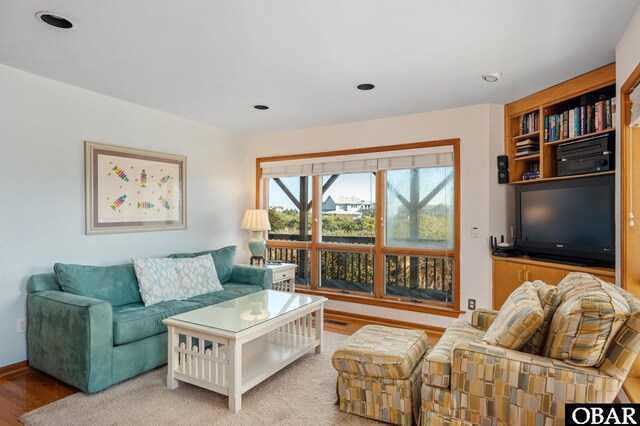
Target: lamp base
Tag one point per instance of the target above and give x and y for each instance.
(258, 259)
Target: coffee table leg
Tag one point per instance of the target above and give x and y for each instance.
(235, 376)
(172, 364)
(319, 328)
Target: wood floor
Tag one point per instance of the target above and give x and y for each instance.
(25, 389)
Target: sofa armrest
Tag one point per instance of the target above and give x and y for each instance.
(521, 386)
(243, 274)
(70, 337)
(483, 318)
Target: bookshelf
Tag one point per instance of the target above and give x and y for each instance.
(536, 125)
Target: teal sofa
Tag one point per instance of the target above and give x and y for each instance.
(89, 328)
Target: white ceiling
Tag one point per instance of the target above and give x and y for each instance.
(211, 61)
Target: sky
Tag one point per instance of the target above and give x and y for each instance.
(362, 185)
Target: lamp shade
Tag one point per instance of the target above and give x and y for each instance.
(256, 220)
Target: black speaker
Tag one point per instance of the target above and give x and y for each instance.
(503, 162)
(503, 176)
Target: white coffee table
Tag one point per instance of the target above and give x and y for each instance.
(237, 344)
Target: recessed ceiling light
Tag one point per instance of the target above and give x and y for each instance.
(261, 107)
(492, 77)
(365, 86)
(54, 20)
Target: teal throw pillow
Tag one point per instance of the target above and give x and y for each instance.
(158, 280)
(223, 259)
(197, 275)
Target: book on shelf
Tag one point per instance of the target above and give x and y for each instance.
(527, 142)
(527, 153)
(533, 172)
(580, 120)
(528, 148)
(530, 175)
(529, 123)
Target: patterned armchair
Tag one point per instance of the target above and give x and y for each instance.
(469, 382)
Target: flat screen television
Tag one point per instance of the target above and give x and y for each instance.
(570, 220)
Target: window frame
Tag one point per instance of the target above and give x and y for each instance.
(380, 249)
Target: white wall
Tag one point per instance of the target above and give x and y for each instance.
(43, 124)
(483, 201)
(627, 58)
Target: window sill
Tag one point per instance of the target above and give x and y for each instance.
(387, 303)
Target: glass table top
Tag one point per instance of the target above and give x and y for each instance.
(247, 311)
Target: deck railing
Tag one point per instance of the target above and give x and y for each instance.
(426, 277)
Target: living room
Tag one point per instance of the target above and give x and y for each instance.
(183, 83)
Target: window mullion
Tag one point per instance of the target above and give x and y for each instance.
(379, 243)
(316, 235)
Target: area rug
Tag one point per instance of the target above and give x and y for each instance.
(304, 393)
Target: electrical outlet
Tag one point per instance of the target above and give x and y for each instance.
(472, 304)
(21, 326)
(474, 232)
(513, 232)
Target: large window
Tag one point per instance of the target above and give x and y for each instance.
(377, 227)
(349, 208)
(290, 201)
(420, 208)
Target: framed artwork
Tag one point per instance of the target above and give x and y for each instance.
(131, 190)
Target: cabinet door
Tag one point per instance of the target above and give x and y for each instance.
(507, 276)
(550, 276)
(606, 278)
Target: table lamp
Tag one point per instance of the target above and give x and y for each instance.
(256, 221)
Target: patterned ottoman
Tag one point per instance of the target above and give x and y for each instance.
(380, 373)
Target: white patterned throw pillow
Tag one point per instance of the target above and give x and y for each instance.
(197, 275)
(157, 280)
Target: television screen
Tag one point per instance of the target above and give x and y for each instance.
(574, 218)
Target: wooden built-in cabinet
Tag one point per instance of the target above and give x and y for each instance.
(510, 272)
(526, 120)
(630, 190)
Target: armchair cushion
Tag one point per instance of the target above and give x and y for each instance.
(483, 318)
(436, 369)
(624, 349)
(520, 316)
(587, 321)
(549, 300)
(493, 385)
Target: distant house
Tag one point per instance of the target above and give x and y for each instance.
(352, 206)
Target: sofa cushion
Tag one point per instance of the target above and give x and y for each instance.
(223, 259)
(379, 351)
(114, 284)
(549, 300)
(197, 275)
(231, 291)
(519, 317)
(437, 365)
(158, 280)
(587, 321)
(136, 321)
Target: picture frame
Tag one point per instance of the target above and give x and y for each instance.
(133, 190)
